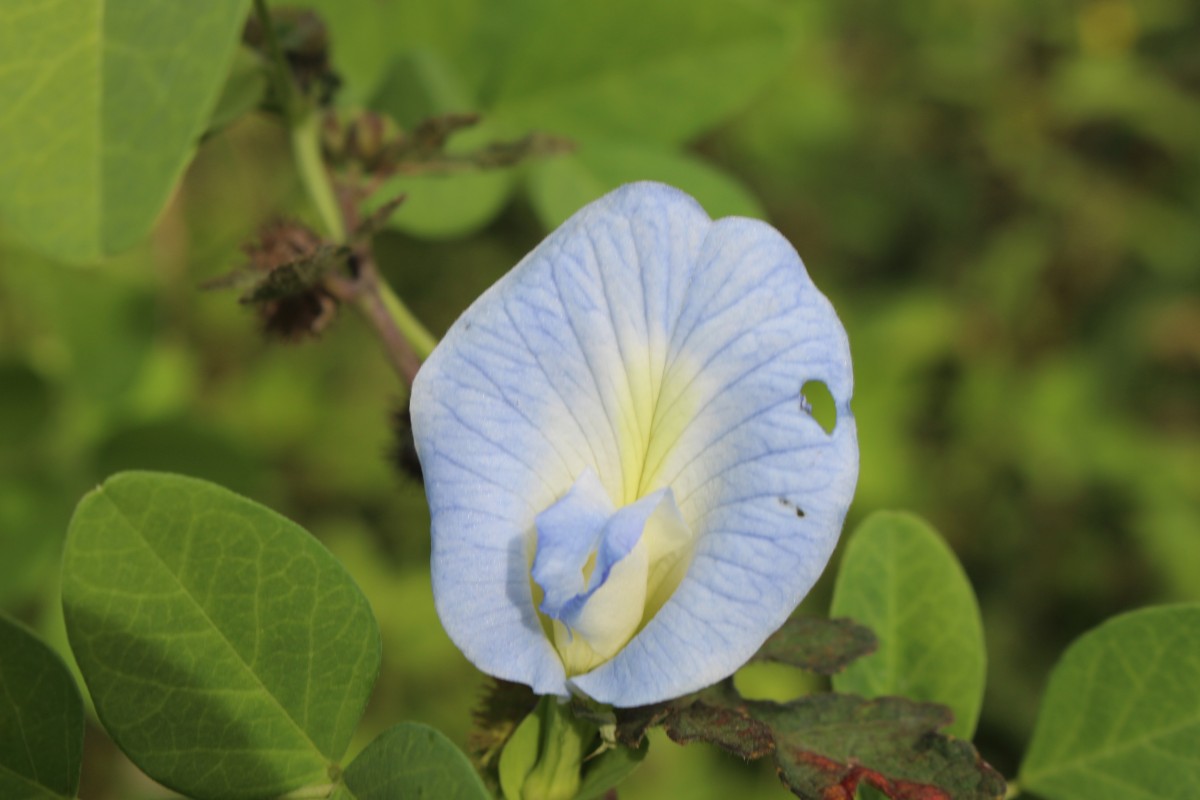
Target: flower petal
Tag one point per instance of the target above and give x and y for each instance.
(660, 350)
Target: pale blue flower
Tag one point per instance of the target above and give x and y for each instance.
(628, 491)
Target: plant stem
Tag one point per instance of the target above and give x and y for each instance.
(1012, 791)
(404, 338)
(367, 293)
(306, 149)
(417, 335)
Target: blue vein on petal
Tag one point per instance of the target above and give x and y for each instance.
(483, 373)
(552, 384)
(612, 319)
(554, 278)
(459, 419)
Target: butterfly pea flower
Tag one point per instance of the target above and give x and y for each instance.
(628, 489)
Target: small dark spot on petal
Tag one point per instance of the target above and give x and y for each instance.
(783, 501)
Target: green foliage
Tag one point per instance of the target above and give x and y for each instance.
(226, 651)
(1121, 716)
(607, 770)
(411, 760)
(585, 68)
(558, 187)
(900, 579)
(41, 719)
(999, 198)
(104, 104)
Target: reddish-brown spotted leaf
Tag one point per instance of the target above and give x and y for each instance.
(827, 745)
(728, 727)
(816, 644)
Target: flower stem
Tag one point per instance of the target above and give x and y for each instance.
(417, 335)
(404, 338)
(306, 149)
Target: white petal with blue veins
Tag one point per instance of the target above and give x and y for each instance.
(660, 350)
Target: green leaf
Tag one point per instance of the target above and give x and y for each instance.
(1121, 716)
(411, 760)
(649, 71)
(607, 770)
(378, 33)
(823, 646)
(562, 185)
(244, 89)
(26, 402)
(900, 579)
(41, 719)
(104, 103)
(836, 740)
(227, 652)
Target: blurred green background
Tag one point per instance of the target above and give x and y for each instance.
(1002, 199)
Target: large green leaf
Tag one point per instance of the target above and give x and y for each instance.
(900, 579)
(562, 185)
(651, 71)
(103, 105)
(227, 652)
(1121, 717)
(412, 760)
(367, 37)
(41, 719)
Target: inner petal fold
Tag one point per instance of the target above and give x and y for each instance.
(605, 571)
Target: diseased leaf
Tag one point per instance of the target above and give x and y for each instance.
(41, 719)
(823, 646)
(900, 579)
(413, 760)
(1121, 716)
(728, 727)
(827, 745)
(104, 103)
(633, 723)
(227, 652)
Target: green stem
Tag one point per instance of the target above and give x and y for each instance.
(404, 337)
(306, 149)
(410, 327)
(1013, 790)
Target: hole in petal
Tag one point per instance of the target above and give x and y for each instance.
(817, 402)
